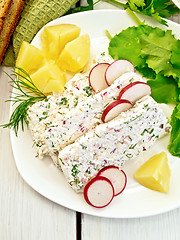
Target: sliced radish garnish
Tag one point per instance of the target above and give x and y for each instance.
(97, 77)
(114, 109)
(117, 177)
(99, 192)
(135, 91)
(118, 68)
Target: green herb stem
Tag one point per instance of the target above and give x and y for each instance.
(117, 3)
(24, 96)
(134, 17)
(108, 34)
(97, 2)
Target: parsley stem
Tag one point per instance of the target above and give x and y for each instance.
(108, 34)
(134, 17)
(117, 3)
(96, 2)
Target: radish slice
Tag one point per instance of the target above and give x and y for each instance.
(99, 192)
(97, 77)
(114, 109)
(118, 68)
(117, 177)
(135, 91)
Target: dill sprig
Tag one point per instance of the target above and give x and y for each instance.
(24, 95)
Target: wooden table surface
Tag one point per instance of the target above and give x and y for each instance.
(26, 215)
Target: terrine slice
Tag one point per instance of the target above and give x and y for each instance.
(113, 143)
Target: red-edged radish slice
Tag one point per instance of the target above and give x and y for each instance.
(97, 77)
(118, 68)
(99, 192)
(135, 91)
(117, 177)
(114, 109)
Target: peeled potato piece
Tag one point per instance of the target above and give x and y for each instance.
(54, 38)
(155, 173)
(30, 58)
(75, 54)
(49, 78)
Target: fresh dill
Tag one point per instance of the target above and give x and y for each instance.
(23, 95)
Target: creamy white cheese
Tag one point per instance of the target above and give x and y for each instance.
(48, 112)
(86, 115)
(43, 113)
(113, 143)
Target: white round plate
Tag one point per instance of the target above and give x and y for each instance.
(42, 175)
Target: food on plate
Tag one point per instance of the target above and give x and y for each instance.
(40, 63)
(9, 23)
(155, 173)
(53, 112)
(99, 192)
(103, 75)
(109, 182)
(134, 91)
(116, 69)
(113, 143)
(30, 58)
(46, 75)
(49, 78)
(116, 176)
(75, 54)
(114, 109)
(101, 120)
(97, 77)
(174, 146)
(54, 108)
(86, 115)
(55, 37)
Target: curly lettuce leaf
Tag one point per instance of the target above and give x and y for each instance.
(148, 48)
(157, 49)
(174, 146)
(164, 89)
(126, 45)
(147, 72)
(175, 60)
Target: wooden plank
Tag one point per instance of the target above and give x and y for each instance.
(164, 226)
(25, 214)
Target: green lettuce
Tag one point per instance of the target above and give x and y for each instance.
(155, 54)
(174, 146)
(164, 89)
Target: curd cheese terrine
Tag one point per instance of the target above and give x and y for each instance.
(86, 115)
(113, 143)
(43, 113)
(47, 112)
